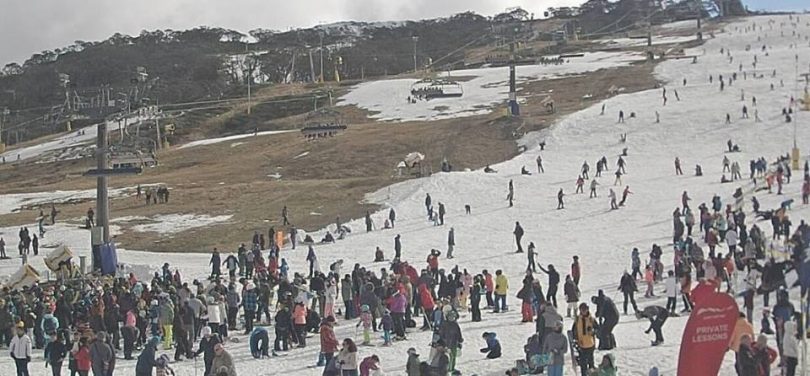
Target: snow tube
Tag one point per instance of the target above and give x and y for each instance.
(60, 254)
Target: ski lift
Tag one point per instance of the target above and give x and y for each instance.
(430, 88)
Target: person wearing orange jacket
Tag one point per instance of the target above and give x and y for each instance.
(300, 322)
(489, 286)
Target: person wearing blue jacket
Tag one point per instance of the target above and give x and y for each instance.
(259, 342)
(493, 349)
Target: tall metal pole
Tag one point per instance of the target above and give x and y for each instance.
(415, 39)
(157, 124)
(321, 52)
(699, 9)
(249, 78)
(102, 200)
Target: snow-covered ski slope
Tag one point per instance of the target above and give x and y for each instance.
(692, 129)
(484, 88)
(82, 136)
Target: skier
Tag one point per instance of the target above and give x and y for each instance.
(628, 288)
(625, 193)
(518, 232)
(612, 197)
(585, 169)
(580, 184)
(594, 184)
(658, 316)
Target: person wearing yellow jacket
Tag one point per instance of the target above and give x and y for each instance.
(501, 288)
(584, 338)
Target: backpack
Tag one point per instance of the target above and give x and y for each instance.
(50, 326)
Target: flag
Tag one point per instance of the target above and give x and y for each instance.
(707, 335)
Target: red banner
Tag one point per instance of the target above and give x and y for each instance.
(707, 334)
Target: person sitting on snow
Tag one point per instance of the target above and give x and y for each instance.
(378, 255)
(328, 238)
(493, 349)
(489, 170)
(524, 171)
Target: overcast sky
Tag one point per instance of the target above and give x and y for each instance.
(27, 27)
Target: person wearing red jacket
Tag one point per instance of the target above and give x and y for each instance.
(426, 299)
(329, 343)
(82, 357)
(489, 285)
(575, 270)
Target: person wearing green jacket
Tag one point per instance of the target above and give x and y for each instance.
(607, 367)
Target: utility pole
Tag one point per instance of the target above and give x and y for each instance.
(321, 51)
(699, 9)
(514, 109)
(102, 200)
(157, 122)
(249, 79)
(415, 39)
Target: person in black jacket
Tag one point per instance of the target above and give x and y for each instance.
(283, 325)
(475, 297)
(608, 316)
(55, 353)
(146, 361)
(628, 288)
(207, 344)
(111, 318)
(658, 316)
(518, 232)
(553, 283)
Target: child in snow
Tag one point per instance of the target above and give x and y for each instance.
(649, 278)
(365, 320)
(493, 349)
(388, 326)
(370, 366)
(162, 367)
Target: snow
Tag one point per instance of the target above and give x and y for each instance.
(211, 141)
(304, 154)
(68, 140)
(14, 202)
(679, 25)
(640, 42)
(169, 224)
(691, 129)
(489, 87)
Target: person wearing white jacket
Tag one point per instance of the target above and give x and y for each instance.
(732, 240)
(672, 288)
(214, 317)
(20, 349)
(790, 348)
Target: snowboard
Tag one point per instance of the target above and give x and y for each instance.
(574, 352)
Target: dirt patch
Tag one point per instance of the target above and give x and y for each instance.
(253, 180)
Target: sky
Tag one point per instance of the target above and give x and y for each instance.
(27, 27)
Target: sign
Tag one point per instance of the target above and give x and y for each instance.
(114, 171)
(707, 335)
